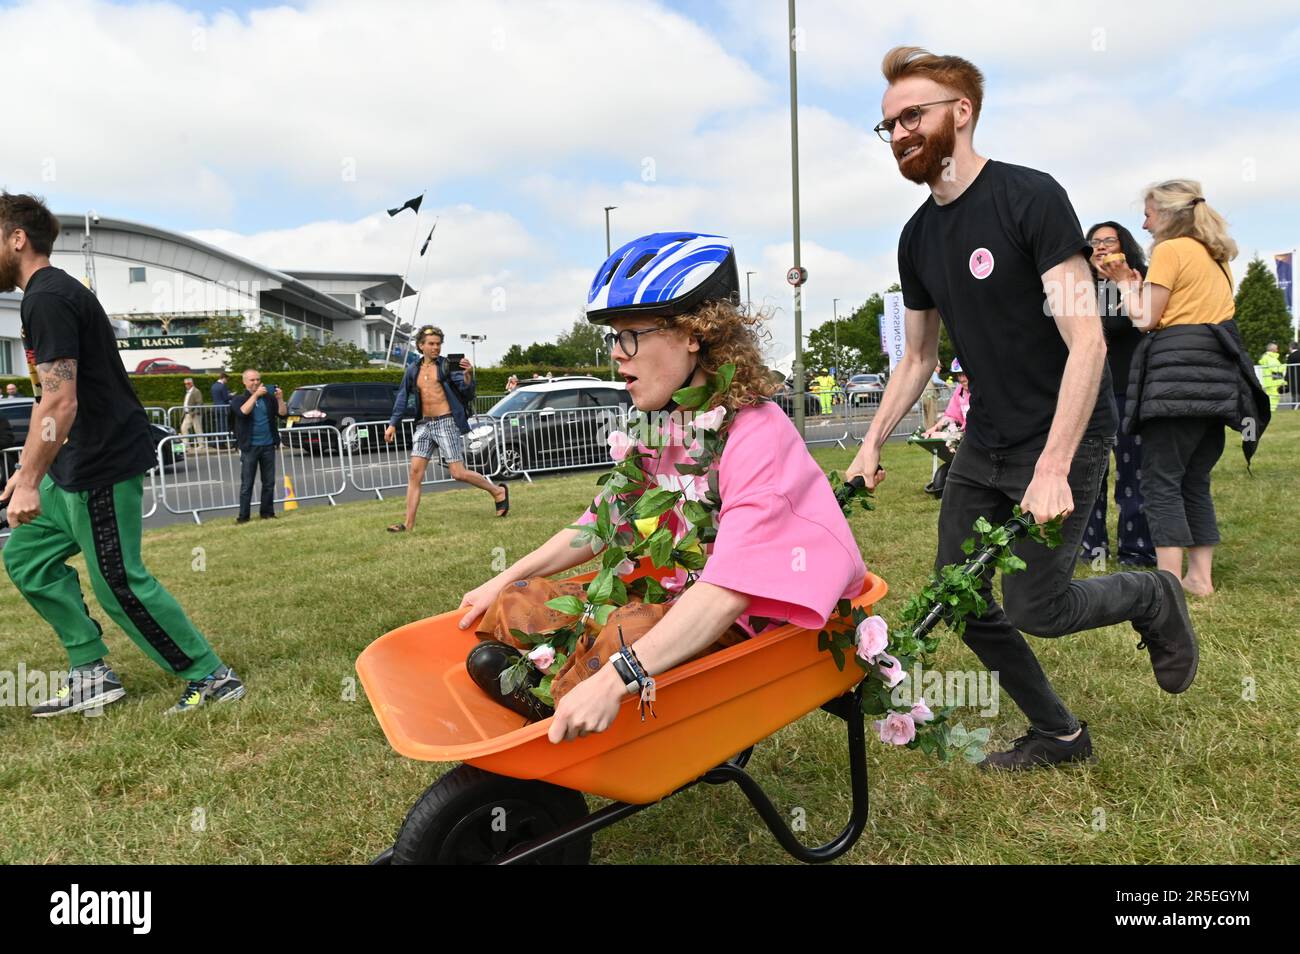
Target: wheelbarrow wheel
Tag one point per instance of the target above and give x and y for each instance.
(472, 817)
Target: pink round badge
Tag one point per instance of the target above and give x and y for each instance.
(981, 263)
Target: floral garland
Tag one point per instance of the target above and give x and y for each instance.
(952, 595)
(632, 513)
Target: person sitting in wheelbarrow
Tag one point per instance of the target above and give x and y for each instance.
(710, 479)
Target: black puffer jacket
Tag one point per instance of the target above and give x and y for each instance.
(1197, 371)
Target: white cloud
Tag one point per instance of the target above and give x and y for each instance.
(358, 99)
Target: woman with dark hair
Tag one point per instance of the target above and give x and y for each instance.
(1109, 239)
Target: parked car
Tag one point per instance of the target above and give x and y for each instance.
(18, 413)
(865, 389)
(548, 424)
(785, 398)
(161, 366)
(338, 405)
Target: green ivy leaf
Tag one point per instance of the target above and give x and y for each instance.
(599, 589)
(569, 605)
(660, 547)
(655, 502)
(723, 378)
(654, 590)
(690, 398)
(602, 613)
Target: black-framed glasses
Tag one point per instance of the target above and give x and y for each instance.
(910, 118)
(627, 339)
(1104, 242)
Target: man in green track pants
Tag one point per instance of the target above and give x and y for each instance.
(80, 483)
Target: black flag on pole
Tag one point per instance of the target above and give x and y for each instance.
(425, 247)
(413, 204)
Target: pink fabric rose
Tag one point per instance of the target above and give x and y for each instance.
(709, 420)
(921, 713)
(542, 657)
(624, 568)
(620, 445)
(890, 670)
(897, 728)
(873, 638)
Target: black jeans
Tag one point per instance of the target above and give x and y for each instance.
(1042, 599)
(1179, 453)
(250, 461)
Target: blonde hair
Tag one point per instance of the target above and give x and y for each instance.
(729, 335)
(1185, 213)
(961, 76)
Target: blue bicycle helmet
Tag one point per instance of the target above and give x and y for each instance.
(663, 274)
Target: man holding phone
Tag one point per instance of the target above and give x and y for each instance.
(442, 387)
(256, 413)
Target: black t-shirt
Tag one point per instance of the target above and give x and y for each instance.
(110, 439)
(979, 260)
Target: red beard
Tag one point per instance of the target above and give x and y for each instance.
(9, 271)
(926, 164)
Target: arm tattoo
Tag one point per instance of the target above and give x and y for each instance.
(54, 373)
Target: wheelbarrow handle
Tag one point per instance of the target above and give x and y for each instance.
(851, 487)
(1018, 527)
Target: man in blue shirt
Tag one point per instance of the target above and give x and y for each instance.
(256, 413)
(221, 404)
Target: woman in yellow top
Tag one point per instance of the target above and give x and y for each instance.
(1189, 374)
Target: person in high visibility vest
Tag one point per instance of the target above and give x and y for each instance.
(1271, 374)
(825, 390)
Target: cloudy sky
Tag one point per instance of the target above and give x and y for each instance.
(282, 132)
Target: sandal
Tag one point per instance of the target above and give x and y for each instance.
(503, 505)
(397, 528)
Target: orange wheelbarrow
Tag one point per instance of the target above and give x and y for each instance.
(519, 798)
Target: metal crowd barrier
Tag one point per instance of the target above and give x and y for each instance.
(213, 471)
(528, 442)
(1290, 398)
(9, 463)
(485, 402)
(373, 465)
(212, 418)
(848, 423)
(157, 415)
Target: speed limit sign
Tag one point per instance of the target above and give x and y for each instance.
(797, 276)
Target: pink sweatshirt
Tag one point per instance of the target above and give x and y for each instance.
(782, 539)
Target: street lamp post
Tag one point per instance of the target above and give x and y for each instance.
(608, 248)
(473, 346)
(749, 299)
(794, 195)
(835, 323)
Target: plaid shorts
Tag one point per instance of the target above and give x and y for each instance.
(441, 431)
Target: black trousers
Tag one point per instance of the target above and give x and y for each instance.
(1179, 454)
(250, 462)
(1135, 546)
(1042, 599)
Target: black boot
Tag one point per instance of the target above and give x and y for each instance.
(487, 661)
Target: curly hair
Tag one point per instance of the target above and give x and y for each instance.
(729, 335)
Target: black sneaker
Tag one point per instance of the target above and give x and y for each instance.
(487, 661)
(1034, 749)
(82, 690)
(1170, 638)
(241, 520)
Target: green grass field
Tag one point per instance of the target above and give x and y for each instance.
(298, 773)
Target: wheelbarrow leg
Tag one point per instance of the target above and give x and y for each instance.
(846, 707)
